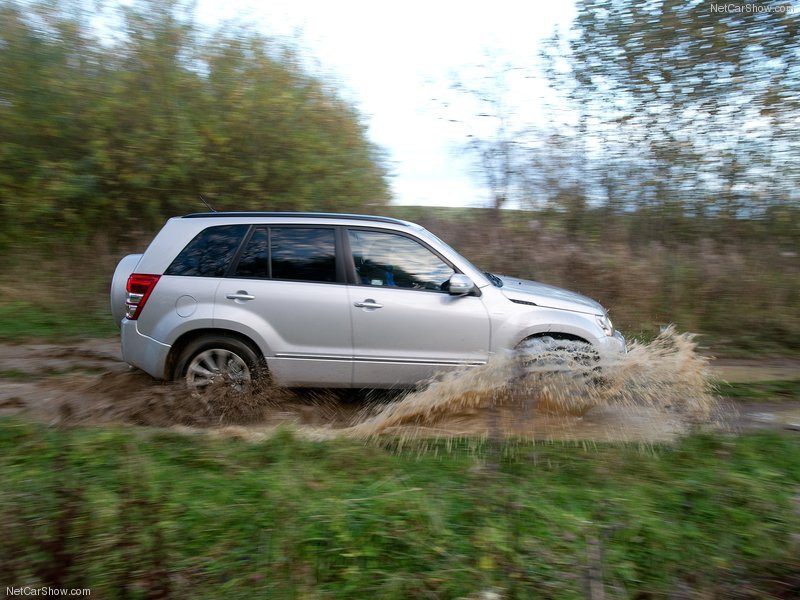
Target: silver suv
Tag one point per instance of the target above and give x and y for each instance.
(327, 300)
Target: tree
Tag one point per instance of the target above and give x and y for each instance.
(495, 139)
(115, 134)
(531, 165)
(698, 101)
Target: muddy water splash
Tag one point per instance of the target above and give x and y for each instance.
(655, 391)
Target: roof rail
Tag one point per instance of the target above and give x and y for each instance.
(312, 215)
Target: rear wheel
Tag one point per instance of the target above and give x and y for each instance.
(218, 360)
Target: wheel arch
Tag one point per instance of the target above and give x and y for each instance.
(190, 336)
(556, 335)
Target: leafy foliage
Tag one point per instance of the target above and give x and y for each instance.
(114, 135)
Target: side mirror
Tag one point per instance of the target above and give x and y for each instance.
(460, 284)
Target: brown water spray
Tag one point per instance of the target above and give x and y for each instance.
(655, 390)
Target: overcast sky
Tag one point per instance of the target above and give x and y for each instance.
(396, 62)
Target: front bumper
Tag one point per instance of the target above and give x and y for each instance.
(613, 344)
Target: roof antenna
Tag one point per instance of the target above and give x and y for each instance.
(208, 206)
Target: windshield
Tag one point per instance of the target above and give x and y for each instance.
(425, 233)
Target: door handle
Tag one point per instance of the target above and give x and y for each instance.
(240, 295)
(368, 303)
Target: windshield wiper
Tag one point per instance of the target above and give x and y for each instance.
(496, 281)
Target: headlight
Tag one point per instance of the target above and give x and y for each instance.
(605, 324)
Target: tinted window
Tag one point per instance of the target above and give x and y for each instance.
(387, 259)
(304, 254)
(255, 258)
(209, 253)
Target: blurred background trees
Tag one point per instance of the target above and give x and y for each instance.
(681, 116)
(685, 110)
(113, 128)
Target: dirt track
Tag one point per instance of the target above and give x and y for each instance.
(87, 383)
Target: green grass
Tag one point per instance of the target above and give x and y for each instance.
(132, 511)
(22, 321)
(762, 390)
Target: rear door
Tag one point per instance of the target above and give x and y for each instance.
(406, 326)
(289, 286)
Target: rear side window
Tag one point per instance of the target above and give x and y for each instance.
(254, 261)
(209, 253)
(293, 253)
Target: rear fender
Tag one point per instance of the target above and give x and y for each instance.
(119, 283)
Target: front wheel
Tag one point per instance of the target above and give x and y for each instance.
(560, 375)
(217, 359)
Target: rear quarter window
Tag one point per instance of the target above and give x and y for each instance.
(209, 253)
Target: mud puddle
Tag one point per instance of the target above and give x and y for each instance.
(655, 392)
(767, 415)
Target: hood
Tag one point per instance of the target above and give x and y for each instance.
(548, 296)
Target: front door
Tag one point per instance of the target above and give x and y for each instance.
(406, 326)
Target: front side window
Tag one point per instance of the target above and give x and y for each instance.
(294, 253)
(209, 253)
(392, 260)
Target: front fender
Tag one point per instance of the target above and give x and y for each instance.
(538, 320)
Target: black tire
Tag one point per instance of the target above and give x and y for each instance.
(211, 358)
(558, 352)
(559, 371)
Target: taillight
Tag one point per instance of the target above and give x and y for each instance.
(139, 288)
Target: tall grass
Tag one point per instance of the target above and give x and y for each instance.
(740, 289)
(55, 290)
(742, 293)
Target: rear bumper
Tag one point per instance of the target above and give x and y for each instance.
(142, 351)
